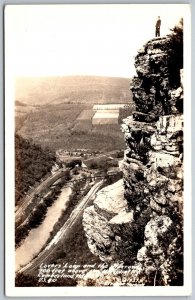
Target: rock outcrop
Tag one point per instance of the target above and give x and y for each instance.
(143, 226)
(156, 88)
(108, 224)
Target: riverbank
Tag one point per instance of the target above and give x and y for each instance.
(38, 236)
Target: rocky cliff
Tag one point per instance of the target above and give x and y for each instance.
(139, 221)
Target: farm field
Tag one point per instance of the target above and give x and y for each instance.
(86, 114)
(83, 123)
(106, 117)
(58, 127)
(69, 125)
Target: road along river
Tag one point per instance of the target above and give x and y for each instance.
(38, 236)
(24, 209)
(43, 256)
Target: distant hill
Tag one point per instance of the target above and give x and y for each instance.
(19, 103)
(72, 89)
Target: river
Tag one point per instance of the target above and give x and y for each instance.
(37, 237)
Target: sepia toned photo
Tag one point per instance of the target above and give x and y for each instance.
(96, 125)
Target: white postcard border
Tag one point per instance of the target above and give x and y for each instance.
(11, 290)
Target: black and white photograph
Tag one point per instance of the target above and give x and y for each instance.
(97, 149)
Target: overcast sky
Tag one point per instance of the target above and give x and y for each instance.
(48, 40)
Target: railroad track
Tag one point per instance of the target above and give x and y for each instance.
(51, 247)
(27, 201)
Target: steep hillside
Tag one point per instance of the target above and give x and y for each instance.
(31, 164)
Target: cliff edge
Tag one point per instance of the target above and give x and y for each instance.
(139, 221)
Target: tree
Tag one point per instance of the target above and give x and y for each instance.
(176, 53)
(32, 163)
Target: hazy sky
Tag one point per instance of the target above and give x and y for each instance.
(47, 40)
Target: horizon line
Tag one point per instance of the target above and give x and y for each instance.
(71, 75)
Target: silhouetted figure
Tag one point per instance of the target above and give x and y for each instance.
(158, 23)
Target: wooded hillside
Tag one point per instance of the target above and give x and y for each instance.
(32, 163)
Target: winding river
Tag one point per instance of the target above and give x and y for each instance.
(37, 237)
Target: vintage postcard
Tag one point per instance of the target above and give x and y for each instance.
(97, 149)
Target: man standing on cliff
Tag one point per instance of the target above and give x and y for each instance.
(158, 23)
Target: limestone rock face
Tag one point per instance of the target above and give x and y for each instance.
(107, 224)
(139, 221)
(155, 254)
(158, 74)
(115, 275)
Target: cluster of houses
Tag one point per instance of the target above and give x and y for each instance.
(61, 153)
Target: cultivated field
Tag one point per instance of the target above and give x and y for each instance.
(59, 127)
(67, 122)
(86, 114)
(105, 117)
